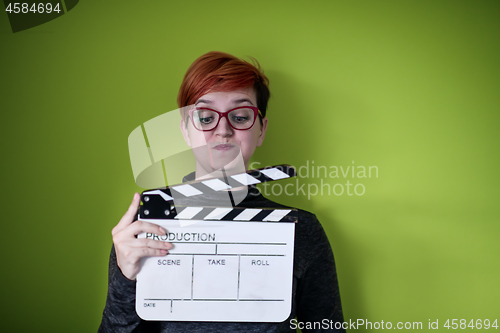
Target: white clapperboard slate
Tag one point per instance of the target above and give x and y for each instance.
(226, 264)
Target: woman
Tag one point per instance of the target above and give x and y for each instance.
(223, 103)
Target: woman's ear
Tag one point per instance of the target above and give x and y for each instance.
(262, 132)
(185, 132)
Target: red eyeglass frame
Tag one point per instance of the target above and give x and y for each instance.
(224, 115)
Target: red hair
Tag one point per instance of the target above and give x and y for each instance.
(219, 71)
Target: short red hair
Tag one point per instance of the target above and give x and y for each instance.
(219, 71)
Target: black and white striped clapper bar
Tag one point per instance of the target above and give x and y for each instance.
(217, 270)
(159, 203)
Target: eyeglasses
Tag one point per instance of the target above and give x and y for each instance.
(240, 118)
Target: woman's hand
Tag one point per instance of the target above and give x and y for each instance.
(130, 249)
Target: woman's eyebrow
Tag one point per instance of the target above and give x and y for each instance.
(242, 100)
(206, 101)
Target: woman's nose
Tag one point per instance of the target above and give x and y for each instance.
(223, 128)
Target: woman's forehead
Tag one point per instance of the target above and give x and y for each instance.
(239, 96)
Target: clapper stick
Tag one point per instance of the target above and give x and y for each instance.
(158, 203)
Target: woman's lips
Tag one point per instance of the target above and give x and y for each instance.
(224, 147)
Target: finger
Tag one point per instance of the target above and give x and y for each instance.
(126, 240)
(128, 217)
(131, 231)
(147, 227)
(130, 256)
(151, 243)
(147, 252)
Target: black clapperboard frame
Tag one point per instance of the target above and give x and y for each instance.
(218, 270)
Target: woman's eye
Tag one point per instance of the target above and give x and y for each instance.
(206, 120)
(240, 119)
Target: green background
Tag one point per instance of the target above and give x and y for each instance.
(411, 87)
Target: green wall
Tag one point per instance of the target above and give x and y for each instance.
(408, 87)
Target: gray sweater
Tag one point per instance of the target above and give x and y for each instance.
(315, 298)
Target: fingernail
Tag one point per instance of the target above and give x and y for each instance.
(163, 231)
(163, 251)
(167, 245)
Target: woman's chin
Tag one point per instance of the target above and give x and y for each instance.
(229, 168)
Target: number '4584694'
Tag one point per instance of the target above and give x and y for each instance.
(39, 8)
(477, 324)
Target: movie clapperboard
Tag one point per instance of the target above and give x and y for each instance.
(226, 264)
